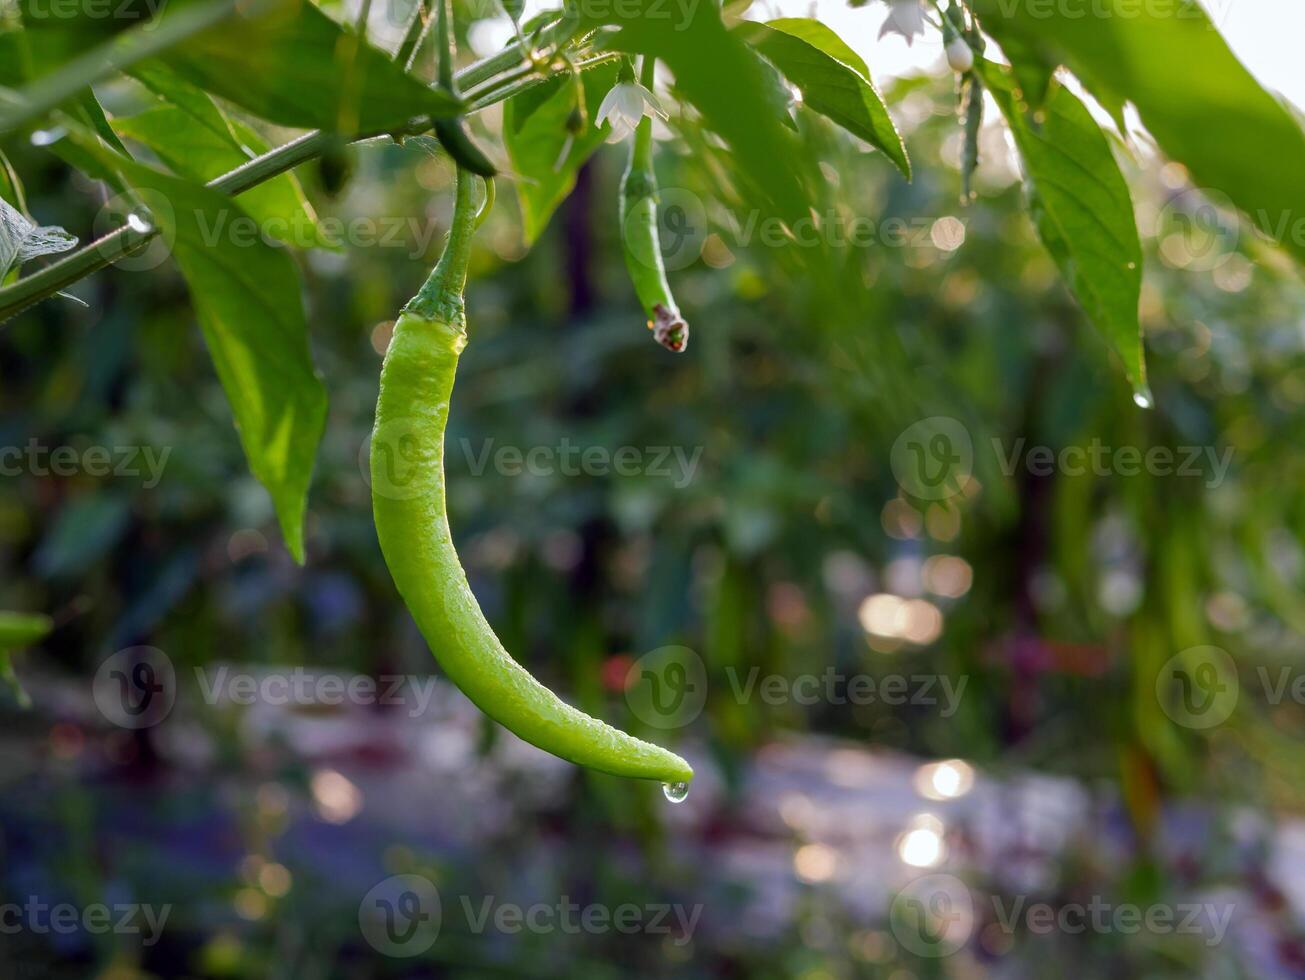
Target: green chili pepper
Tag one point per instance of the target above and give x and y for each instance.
(408, 501)
(643, 253)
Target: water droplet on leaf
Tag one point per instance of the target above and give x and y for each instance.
(676, 792)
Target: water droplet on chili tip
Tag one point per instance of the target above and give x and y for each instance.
(1142, 399)
(139, 224)
(676, 792)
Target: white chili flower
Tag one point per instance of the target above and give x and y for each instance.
(624, 106)
(959, 55)
(905, 17)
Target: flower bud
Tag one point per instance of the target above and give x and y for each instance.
(959, 55)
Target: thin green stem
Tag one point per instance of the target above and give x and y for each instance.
(444, 38)
(440, 297)
(526, 70)
(641, 152)
(495, 93)
(414, 35)
(554, 36)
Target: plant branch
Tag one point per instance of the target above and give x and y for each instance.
(516, 83)
(107, 250)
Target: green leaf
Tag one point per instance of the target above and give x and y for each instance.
(775, 90)
(11, 185)
(21, 240)
(524, 104)
(1198, 101)
(92, 62)
(17, 631)
(1083, 212)
(833, 79)
(536, 146)
(17, 60)
(1031, 65)
(20, 630)
(88, 109)
(720, 75)
(247, 298)
(197, 140)
(295, 66)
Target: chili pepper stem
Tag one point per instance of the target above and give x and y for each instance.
(440, 297)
